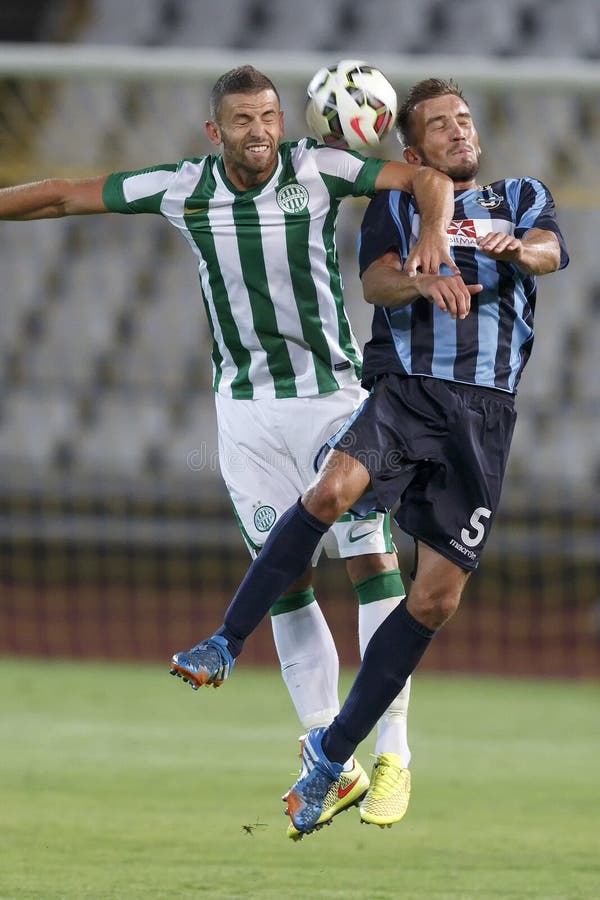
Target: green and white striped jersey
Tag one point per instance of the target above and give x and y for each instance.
(268, 263)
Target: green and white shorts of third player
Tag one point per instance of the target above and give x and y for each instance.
(267, 450)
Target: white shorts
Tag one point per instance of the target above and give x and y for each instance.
(267, 451)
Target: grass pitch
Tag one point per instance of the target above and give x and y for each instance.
(123, 783)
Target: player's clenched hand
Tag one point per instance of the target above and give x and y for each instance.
(449, 293)
(430, 252)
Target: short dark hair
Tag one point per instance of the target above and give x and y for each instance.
(243, 80)
(423, 90)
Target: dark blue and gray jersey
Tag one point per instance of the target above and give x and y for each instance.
(492, 345)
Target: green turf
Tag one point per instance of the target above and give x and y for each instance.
(123, 783)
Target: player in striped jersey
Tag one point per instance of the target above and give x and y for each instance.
(260, 219)
(443, 367)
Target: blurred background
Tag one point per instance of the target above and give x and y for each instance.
(116, 534)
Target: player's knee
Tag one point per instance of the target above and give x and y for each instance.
(325, 499)
(369, 564)
(433, 607)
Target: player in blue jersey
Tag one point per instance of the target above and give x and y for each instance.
(435, 430)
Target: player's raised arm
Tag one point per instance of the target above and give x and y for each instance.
(434, 194)
(53, 198)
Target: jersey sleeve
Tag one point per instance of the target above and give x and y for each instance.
(379, 230)
(140, 191)
(347, 173)
(364, 186)
(536, 209)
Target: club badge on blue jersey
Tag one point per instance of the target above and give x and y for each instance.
(488, 199)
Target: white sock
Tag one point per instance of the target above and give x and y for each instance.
(392, 736)
(309, 663)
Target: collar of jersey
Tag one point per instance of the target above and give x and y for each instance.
(250, 192)
(464, 192)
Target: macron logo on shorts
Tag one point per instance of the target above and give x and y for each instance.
(462, 549)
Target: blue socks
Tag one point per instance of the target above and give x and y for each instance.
(284, 557)
(392, 654)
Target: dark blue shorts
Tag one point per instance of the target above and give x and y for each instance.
(440, 448)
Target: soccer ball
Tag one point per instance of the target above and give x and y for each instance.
(351, 105)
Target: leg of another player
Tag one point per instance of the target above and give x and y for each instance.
(379, 588)
(391, 656)
(437, 589)
(340, 482)
(307, 654)
(291, 544)
(310, 670)
(284, 558)
(396, 649)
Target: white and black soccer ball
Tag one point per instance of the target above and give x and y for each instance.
(351, 105)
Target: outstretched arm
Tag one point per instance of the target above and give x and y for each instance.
(53, 198)
(537, 253)
(386, 284)
(434, 195)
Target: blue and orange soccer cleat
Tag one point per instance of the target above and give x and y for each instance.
(343, 794)
(307, 804)
(209, 662)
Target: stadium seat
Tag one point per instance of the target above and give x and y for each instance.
(567, 453)
(474, 27)
(203, 24)
(585, 362)
(191, 450)
(559, 29)
(77, 327)
(124, 428)
(290, 26)
(32, 423)
(107, 23)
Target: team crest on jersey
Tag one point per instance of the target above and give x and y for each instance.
(488, 199)
(292, 198)
(462, 233)
(264, 518)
